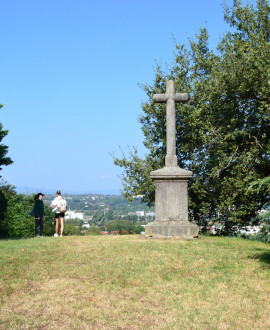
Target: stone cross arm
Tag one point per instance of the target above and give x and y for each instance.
(170, 98)
(163, 98)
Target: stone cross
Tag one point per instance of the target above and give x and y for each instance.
(170, 98)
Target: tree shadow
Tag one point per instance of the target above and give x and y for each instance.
(263, 256)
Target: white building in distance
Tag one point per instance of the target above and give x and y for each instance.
(139, 213)
(73, 215)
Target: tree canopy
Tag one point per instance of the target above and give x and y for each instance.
(223, 131)
(4, 160)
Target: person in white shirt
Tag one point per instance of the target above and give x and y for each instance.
(55, 204)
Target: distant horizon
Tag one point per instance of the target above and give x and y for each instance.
(50, 191)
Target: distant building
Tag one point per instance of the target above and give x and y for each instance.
(73, 215)
(139, 213)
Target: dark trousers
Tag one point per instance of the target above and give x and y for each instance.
(39, 223)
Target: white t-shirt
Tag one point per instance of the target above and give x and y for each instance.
(55, 203)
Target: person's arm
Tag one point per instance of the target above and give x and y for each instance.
(53, 203)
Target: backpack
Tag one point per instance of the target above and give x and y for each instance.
(62, 205)
(32, 213)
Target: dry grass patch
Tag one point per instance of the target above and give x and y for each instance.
(127, 282)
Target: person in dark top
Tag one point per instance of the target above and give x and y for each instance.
(39, 214)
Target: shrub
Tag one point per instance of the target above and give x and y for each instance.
(263, 235)
(71, 229)
(93, 230)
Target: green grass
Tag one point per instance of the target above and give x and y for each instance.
(129, 282)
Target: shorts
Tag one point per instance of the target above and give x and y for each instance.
(59, 215)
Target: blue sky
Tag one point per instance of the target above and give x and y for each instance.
(70, 72)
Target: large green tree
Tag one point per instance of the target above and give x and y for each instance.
(4, 160)
(223, 131)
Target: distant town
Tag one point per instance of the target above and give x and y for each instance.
(98, 209)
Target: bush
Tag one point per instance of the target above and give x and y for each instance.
(49, 222)
(71, 229)
(123, 227)
(263, 235)
(15, 211)
(93, 231)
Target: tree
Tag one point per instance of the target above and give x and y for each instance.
(15, 219)
(3, 149)
(223, 131)
(6, 195)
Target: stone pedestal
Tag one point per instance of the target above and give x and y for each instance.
(171, 204)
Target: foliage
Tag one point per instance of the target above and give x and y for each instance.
(264, 213)
(97, 217)
(71, 229)
(263, 217)
(49, 222)
(15, 213)
(3, 209)
(261, 184)
(4, 160)
(93, 230)
(223, 132)
(262, 236)
(123, 227)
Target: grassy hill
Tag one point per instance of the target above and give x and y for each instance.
(129, 282)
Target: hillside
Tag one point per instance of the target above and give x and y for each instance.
(107, 207)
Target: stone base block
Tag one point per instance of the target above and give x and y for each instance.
(171, 228)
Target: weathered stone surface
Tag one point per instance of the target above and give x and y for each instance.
(171, 173)
(171, 181)
(170, 98)
(171, 201)
(181, 229)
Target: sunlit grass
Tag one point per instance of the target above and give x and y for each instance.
(129, 282)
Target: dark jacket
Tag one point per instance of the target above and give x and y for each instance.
(39, 208)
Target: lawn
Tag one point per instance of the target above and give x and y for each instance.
(130, 282)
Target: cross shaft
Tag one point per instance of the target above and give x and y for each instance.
(170, 98)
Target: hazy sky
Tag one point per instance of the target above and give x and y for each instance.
(69, 79)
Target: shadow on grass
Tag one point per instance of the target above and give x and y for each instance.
(14, 238)
(263, 256)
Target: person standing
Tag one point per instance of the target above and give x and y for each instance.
(39, 214)
(59, 205)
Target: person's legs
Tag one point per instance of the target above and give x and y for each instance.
(56, 225)
(41, 222)
(62, 226)
(36, 226)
